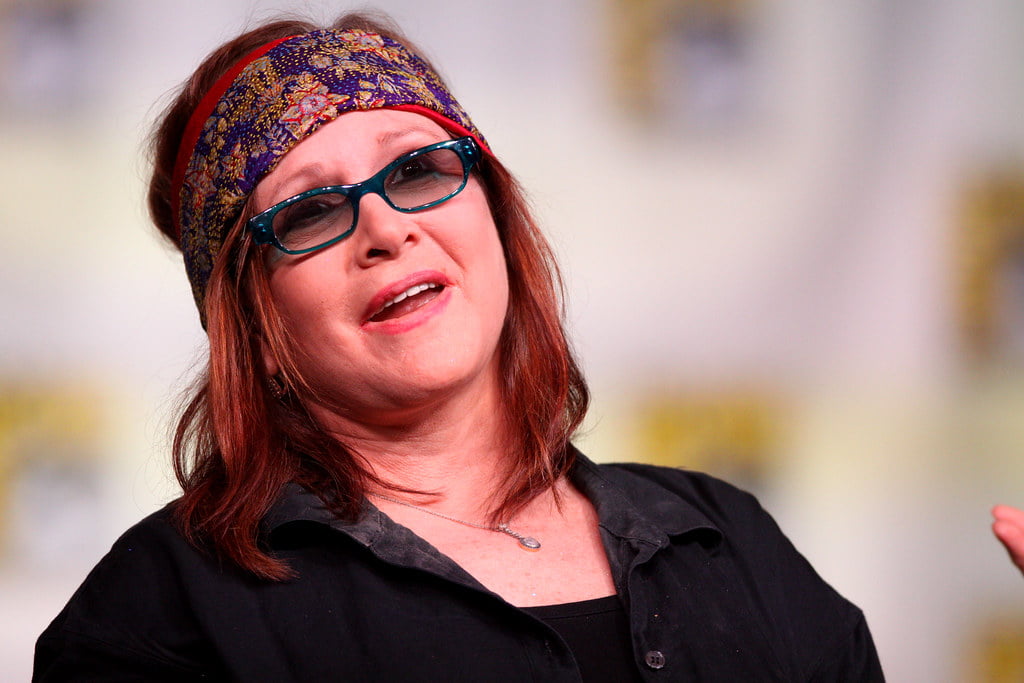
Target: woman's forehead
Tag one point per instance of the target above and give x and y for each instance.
(358, 142)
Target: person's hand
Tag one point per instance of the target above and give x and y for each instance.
(1009, 529)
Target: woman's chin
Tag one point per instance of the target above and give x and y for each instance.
(414, 396)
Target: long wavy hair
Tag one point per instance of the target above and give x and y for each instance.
(236, 445)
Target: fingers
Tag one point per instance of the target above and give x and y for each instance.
(1009, 529)
(1008, 513)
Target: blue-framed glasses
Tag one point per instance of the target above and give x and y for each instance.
(415, 181)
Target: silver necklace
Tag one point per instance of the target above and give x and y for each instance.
(525, 542)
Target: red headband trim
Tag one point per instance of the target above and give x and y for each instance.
(202, 112)
(444, 122)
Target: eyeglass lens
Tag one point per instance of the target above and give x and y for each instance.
(411, 184)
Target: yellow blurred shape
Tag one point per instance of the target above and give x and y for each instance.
(718, 432)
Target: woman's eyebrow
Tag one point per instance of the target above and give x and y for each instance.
(391, 136)
(313, 172)
(313, 175)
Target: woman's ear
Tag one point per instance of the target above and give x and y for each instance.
(270, 364)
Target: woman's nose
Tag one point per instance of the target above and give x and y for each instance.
(381, 232)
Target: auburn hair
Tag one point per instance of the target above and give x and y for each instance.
(236, 445)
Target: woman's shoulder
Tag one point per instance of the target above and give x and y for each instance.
(737, 536)
(703, 502)
(140, 560)
(136, 589)
(720, 501)
(152, 547)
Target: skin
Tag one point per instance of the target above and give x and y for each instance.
(418, 395)
(1009, 529)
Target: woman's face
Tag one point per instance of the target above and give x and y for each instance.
(374, 360)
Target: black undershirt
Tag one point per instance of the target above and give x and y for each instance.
(597, 632)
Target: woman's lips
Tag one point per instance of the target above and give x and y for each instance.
(406, 296)
(408, 301)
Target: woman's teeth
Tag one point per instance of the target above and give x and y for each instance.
(412, 291)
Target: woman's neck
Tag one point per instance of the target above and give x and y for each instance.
(456, 449)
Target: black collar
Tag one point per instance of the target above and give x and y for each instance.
(629, 506)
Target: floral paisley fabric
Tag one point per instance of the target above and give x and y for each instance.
(276, 100)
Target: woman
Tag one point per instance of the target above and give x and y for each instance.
(377, 477)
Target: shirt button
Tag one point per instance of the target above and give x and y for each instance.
(654, 659)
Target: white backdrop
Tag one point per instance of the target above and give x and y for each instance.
(807, 248)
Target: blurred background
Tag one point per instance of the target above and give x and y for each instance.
(792, 233)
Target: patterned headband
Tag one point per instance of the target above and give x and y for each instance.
(270, 101)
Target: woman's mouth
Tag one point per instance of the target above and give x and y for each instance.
(407, 301)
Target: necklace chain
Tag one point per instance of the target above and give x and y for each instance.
(525, 542)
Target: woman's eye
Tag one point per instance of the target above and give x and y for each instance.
(413, 169)
(431, 168)
(314, 213)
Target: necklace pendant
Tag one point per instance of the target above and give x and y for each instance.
(529, 544)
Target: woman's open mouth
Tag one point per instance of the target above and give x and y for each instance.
(407, 301)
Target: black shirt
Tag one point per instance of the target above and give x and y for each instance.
(712, 589)
(597, 633)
